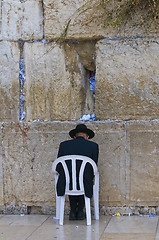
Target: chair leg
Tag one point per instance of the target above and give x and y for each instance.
(96, 205)
(58, 207)
(96, 198)
(62, 205)
(88, 210)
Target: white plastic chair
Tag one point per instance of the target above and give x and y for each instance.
(60, 201)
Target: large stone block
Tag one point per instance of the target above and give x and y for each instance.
(21, 19)
(111, 139)
(31, 148)
(142, 163)
(9, 81)
(55, 83)
(58, 15)
(29, 152)
(127, 79)
(82, 19)
(128, 162)
(78, 19)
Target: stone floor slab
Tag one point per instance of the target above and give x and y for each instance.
(134, 224)
(157, 233)
(28, 220)
(127, 236)
(73, 230)
(16, 232)
(44, 227)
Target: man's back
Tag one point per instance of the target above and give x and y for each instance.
(78, 146)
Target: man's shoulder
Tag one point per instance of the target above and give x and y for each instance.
(79, 141)
(93, 143)
(85, 141)
(66, 142)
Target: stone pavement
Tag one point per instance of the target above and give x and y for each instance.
(44, 227)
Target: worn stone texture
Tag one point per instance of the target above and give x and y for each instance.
(56, 87)
(57, 16)
(142, 163)
(29, 152)
(30, 149)
(127, 79)
(55, 84)
(9, 81)
(1, 168)
(111, 139)
(0, 17)
(128, 162)
(81, 19)
(21, 20)
(86, 52)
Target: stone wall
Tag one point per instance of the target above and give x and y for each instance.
(128, 76)
(9, 84)
(48, 51)
(21, 20)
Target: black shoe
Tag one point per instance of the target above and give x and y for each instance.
(72, 216)
(80, 215)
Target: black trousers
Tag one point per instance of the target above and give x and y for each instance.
(77, 203)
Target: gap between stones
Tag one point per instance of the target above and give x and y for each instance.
(21, 82)
(2, 164)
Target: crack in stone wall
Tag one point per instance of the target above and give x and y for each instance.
(43, 18)
(21, 82)
(2, 166)
(1, 2)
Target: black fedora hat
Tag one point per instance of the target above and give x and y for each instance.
(81, 128)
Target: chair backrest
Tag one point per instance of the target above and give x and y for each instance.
(74, 158)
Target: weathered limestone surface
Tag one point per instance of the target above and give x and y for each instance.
(9, 81)
(127, 76)
(29, 152)
(31, 148)
(57, 16)
(86, 52)
(21, 19)
(56, 90)
(55, 82)
(0, 17)
(78, 19)
(128, 162)
(142, 163)
(111, 139)
(81, 19)
(1, 170)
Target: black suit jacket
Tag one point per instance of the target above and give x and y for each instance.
(78, 146)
